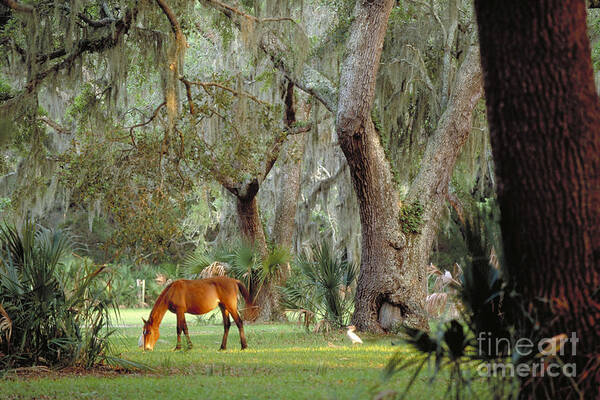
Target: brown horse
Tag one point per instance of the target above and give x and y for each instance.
(196, 297)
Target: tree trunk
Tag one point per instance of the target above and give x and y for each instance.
(287, 199)
(285, 209)
(392, 284)
(382, 240)
(430, 187)
(249, 222)
(544, 119)
(254, 234)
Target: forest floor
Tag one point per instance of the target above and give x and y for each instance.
(283, 361)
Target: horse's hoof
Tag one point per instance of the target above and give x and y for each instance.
(177, 348)
(244, 347)
(222, 348)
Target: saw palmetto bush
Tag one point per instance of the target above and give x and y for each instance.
(240, 261)
(323, 286)
(56, 318)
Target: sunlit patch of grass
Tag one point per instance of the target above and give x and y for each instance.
(282, 361)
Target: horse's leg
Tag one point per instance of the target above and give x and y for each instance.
(180, 323)
(240, 325)
(226, 325)
(187, 335)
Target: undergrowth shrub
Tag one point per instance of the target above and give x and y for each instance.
(52, 317)
(243, 262)
(322, 287)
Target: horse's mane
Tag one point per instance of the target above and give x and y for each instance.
(160, 301)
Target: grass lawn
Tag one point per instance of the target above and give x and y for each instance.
(282, 362)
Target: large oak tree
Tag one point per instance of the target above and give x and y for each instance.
(392, 282)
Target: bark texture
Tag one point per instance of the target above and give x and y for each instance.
(392, 284)
(253, 232)
(544, 119)
(379, 203)
(249, 221)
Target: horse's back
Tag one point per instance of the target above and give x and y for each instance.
(202, 295)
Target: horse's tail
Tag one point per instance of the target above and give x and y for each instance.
(250, 312)
(245, 294)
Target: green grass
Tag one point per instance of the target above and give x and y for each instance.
(282, 361)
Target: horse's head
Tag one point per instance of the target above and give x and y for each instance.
(150, 334)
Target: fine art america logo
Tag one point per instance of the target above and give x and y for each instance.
(545, 362)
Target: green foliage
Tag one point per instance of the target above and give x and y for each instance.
(199, 259)
(52, 324)
(225, 28)
(411, 218)
(248, 130)
(244, 262)
(5, 204)
(144, 204)
(323, 284)
(5, 90)
(122, 281)
(82, 104)
(334, 41)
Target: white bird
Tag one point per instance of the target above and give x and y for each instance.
(353, 336)
(447, 277)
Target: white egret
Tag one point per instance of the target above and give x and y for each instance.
(353, 336)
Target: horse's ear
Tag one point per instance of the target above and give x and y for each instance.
(143, 320)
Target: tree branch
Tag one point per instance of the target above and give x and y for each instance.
(95, 45)
(107, 10)
(240, 13)
(206, 85)
(451, 133)
(298, 129)
(305, 78)
(173, 21)
(96, 24)
(154, 114)
(188, 92)
(54, 125)
(325, 184)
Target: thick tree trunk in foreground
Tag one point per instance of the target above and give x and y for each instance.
(544, 120)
